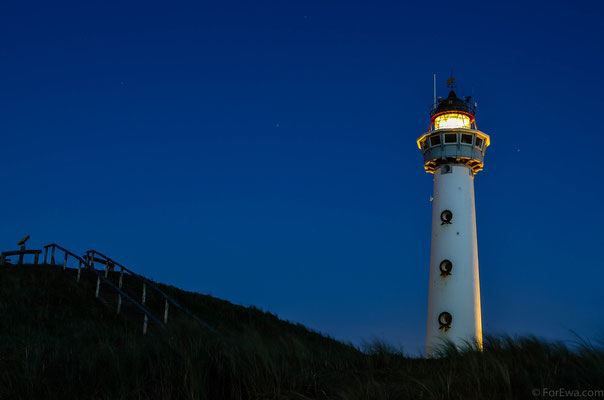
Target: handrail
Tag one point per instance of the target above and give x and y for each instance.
(17, 252)
(153, 286)
(136, 303)
(20, 253)
(65, 251)
(104, 279)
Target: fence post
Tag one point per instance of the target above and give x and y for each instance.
(20, 258)
(65, 261)
(79, 271)
(52, 255)
(98, 286)
(119, 302)
(107, 269)
(45, 254)
(146, 319)
(166, 313)
(2, 259)
(36, 258)
(119, 295)
(91, 259)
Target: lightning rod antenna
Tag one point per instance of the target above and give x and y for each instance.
(434, 88)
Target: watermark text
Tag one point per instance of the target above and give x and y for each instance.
(561, 393)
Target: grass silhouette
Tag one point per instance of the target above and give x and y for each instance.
(57, 341)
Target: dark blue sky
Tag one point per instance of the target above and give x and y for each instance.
(264, 152)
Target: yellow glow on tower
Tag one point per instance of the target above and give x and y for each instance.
(452, 120)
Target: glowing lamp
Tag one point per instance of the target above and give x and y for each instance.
(451, 120)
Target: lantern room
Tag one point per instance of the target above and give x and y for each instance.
(453, 112)
(453, 137)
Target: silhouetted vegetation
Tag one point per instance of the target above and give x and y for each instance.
(57, 341)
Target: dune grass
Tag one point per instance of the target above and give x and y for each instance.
(58, 342)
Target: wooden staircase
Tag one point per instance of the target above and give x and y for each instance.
(133, 296)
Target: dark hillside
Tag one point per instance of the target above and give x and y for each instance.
(58, 341)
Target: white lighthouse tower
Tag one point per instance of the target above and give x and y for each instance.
(453, 150)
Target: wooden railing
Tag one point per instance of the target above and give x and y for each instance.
(93, 256)
(102, 277)
(83, 263)
(19, 253)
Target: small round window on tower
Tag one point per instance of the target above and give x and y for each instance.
(446, 217)
(444, 320)
(446, 267)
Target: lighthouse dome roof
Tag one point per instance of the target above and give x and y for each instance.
(453, 103)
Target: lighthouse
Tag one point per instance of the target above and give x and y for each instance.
(453, 150)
